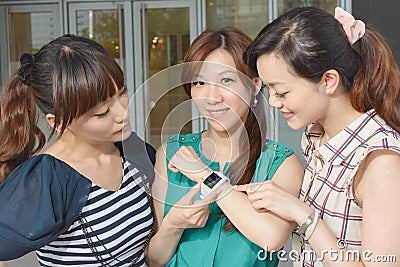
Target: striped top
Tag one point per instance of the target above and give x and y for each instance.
(329, 174)
(117, 223)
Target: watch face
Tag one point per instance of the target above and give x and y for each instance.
(212, 180)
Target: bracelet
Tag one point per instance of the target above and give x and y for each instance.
(313, 226)
(301, 230)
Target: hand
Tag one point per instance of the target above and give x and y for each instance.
(188, 214)
(189, 163)
(268, 196)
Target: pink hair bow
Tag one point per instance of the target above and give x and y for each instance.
(355, 29)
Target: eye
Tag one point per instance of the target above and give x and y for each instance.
(103, 114)
(280, 95)
(198, 83)
(226, 80)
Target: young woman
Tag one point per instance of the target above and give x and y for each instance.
(193, 231)
(82, 202)
(338, 77)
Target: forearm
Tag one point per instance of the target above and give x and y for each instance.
(264, 229)
(162, 245)
(326, 247)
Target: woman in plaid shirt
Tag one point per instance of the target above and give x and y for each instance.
(338, 78)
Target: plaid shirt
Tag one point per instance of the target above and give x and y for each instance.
(329, 174)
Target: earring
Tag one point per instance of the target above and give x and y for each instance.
(255, 102)
(328, 92)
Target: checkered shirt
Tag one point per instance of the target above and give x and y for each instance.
(329, 174)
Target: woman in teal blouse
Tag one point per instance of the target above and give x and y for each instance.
(221, 229)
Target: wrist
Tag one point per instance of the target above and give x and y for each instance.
(303, 214)
(169, 226)
(198, 176)
(307, 227)
(204, 174)
(224, 190)
(213, 184)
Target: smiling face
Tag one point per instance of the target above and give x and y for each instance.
(299, 100)
(219, 92)
(108, 121)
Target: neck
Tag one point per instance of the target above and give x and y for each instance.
(220, 146)
(340, 114)
(71, 148)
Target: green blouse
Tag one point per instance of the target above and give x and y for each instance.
(211, 245)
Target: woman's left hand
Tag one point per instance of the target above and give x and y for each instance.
(188, 162)
(268, 196)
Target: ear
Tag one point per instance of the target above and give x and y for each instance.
(330, 82)
(50, 118)
(257, 81)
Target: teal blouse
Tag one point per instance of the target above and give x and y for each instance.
(211, 245)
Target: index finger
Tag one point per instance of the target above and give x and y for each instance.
(249, 188)
(241, 187)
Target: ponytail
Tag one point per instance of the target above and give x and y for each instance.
(21, 137)
(377, 83)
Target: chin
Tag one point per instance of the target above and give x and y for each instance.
(217, 126)
(121, 135)
(296, 127)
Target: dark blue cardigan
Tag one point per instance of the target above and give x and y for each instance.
(42, 197)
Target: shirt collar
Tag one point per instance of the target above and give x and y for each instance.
(337, 149)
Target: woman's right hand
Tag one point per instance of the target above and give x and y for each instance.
(188, 162)
(269, 196)
(187, 213)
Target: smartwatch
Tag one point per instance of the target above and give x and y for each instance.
(212, 183)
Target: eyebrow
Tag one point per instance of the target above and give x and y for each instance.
(219, 73)
(273, 83)
(229, 71)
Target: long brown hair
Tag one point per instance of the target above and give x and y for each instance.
(66, 78)
(312, 41)
(252, 139)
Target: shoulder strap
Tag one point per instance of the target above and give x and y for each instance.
(140, 153)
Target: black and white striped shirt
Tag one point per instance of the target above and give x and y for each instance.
(118, 224)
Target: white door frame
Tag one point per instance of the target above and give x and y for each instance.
(141, 106)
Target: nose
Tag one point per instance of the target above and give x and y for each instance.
(121, 109)
(274, 101)
(215, 94)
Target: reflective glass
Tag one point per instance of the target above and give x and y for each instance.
(248, 15)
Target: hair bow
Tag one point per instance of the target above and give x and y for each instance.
(354, 29)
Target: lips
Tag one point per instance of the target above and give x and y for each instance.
(217, 113)
(287, 115)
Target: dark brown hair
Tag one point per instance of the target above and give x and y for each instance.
(312, 41)
(66, 78)
(253, 138)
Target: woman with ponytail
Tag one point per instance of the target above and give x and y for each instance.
(82, 201)
(337, 77)
(196, 231)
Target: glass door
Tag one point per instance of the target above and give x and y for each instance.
(103, 22)
(26, 28)
(161, 105)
